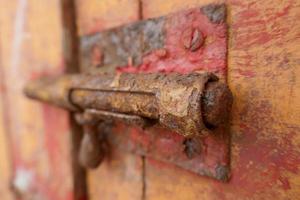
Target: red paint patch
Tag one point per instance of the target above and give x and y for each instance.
(262, 154)
(175, 57)
(209, 57)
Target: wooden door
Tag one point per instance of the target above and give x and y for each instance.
(262, 73)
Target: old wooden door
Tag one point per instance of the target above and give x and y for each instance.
(39, 143)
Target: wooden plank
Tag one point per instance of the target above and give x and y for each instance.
(5, 161)
(94, 16)
(156, 8)
(121, 176)
(263, 59)
(71, 60)
(30, 40)
(164, 181)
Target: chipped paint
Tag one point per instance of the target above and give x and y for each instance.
(23, 180)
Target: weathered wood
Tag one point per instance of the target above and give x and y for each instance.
(120, 177)
(30, 42)
(262, 72)
(71, 61)
(94, 15)
(5, 160)
(263, 69)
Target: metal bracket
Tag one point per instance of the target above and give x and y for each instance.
(193, 105)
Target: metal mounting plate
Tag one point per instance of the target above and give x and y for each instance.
(190, 40)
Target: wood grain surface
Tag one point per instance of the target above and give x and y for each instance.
(38, 134)
(263, 56)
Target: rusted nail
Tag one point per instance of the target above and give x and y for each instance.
(192, 39)
(192, 147)
(161, 53)
(97, 56)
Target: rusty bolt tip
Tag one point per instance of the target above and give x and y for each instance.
(216, 104)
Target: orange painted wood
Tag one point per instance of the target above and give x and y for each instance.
(156, 8)
(120, 177)
(263, 76)
(31, 45)
(5, 161)
(95, 15)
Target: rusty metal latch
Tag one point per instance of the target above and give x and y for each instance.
(179, 119)
(191, 105)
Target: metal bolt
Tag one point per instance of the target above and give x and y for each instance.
(192, 39)
(145, 95)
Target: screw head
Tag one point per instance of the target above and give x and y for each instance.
(192, 39)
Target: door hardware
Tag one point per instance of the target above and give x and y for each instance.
(191, 105)
(195, 106)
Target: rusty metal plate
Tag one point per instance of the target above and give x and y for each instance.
(191, 40)
(187, 41)
(208, 156)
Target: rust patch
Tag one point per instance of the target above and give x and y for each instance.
(120, 43)
(211, 158)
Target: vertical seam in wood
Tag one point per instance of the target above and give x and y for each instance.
(227, 43)
(71, 57)
(6, 123)
(144, 183)
(140, 9)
